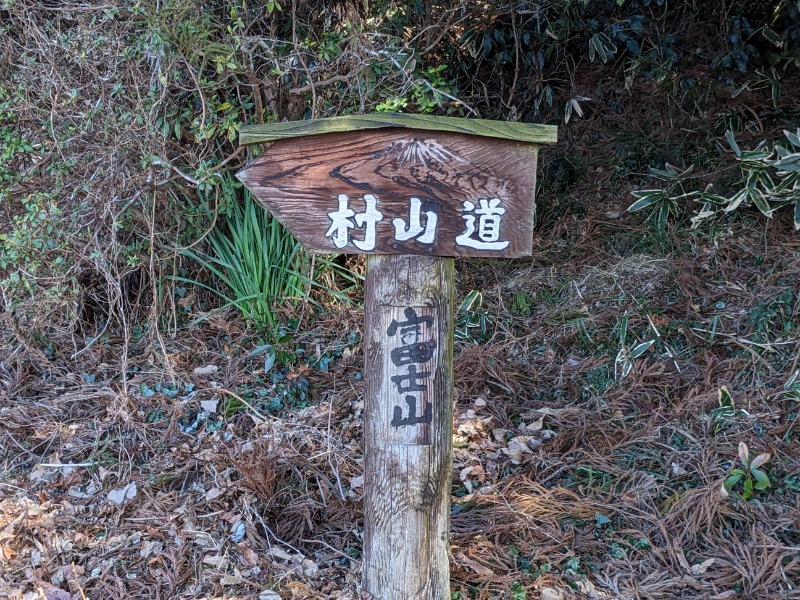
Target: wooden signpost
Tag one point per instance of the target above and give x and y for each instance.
(411, 192)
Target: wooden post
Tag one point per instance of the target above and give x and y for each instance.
(408, 427)
(409, 191)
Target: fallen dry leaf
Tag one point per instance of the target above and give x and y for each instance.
(475, 566)
(209, 405)
(701, 568)
(230, 580)
(213, 494)
(276, 552)
(535, 425)
(310, 568)
(51, 592)
(249, 557)
(120, 496)
(6, 552)
(150, 547)
(677, 470)
(682, 559)
(516, 448)
(214, 560)
(549, 593)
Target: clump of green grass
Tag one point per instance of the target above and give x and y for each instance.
(259, 267)
(259, 264)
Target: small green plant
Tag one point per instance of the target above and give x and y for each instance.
(741, 51)
(428, 90)
(791, 389)
(14, 144)
(726, 411)
(751, 476)
(770, 180)
(517, 591)
(521, 305)
(662, 202)
(591, 478)
(258, 262)
(623, 363)
(472, 320)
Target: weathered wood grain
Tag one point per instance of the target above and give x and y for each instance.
(300, 181)
(521, 132)
(408, 468)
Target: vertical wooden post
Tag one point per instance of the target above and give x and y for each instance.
(408, 191)
(408, 427)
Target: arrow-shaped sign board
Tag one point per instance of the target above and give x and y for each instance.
(401, 189)
(419, 189)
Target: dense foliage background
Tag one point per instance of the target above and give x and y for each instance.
(130, 257)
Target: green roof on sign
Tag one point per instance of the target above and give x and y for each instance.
(520, 132)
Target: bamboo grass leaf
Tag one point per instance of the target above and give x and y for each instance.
(797, 215)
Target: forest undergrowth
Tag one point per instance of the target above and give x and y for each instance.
(626, 398)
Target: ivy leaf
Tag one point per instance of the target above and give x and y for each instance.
(633, 46)
(601, 519)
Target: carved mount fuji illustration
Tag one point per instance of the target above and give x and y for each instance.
(422, 151)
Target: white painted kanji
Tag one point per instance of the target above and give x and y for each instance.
(489, 215)
(368, 218)
(342, 221)
(403, 232)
